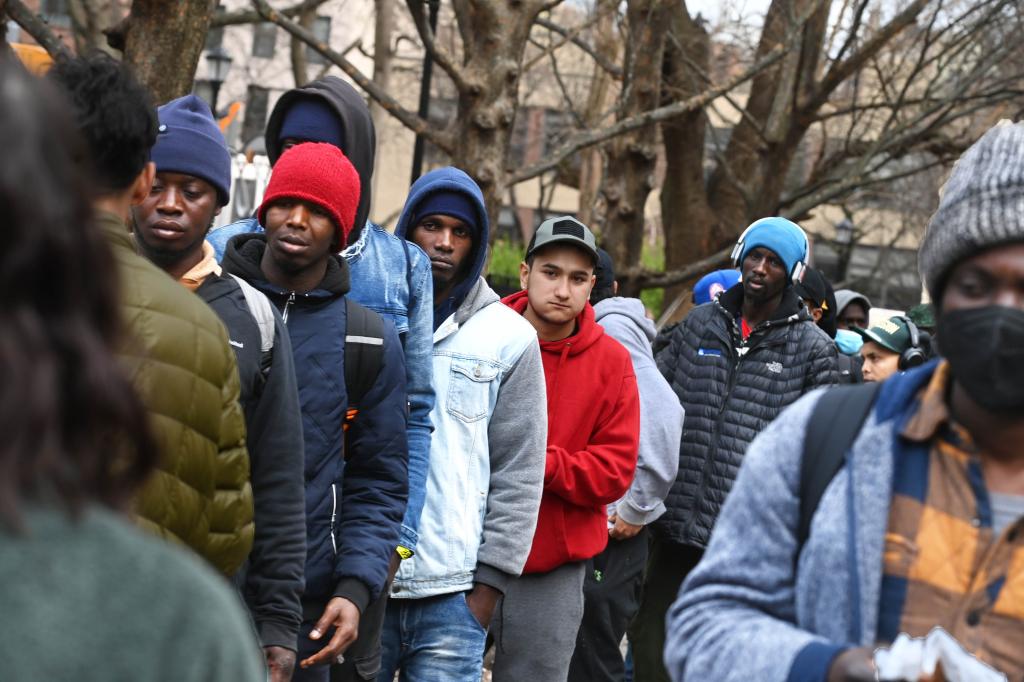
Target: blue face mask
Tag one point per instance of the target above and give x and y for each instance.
(849, 343)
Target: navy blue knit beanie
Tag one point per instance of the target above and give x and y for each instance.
(311, 119)
(450, 203)
(190, 142)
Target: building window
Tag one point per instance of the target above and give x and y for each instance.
(264, 38)
(215, 36)
(322, 31)
(255, 113)
(56, 13)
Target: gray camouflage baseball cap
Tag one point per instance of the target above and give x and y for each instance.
(564, 229)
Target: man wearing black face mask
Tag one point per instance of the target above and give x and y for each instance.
(922, 521)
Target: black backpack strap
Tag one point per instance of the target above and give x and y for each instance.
(364, 351)
(835, 423)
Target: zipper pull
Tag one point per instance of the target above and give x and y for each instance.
(287, 304)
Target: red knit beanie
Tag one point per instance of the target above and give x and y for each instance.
(321, 174)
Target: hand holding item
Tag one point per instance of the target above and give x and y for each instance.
(935, 658)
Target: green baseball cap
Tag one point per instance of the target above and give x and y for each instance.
(893, 334)
(564, 229)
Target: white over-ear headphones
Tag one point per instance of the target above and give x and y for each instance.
(799, 268)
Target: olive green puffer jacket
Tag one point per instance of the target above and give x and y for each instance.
(179, 360)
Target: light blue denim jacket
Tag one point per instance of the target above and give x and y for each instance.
(391, 277)
(489, 448)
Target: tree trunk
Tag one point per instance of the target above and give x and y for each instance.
(300, 65)
(495, 35)
(606, 43)
(163, 42)
(383, 30)
(629, 174)
(691, 228)
(749, 184)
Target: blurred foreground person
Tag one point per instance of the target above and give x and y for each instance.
(176, 350)
(910, 514)
(86, 595)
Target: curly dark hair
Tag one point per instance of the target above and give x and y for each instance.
(74, 431)
(115, 114)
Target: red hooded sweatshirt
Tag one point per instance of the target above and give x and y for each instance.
(593, 439)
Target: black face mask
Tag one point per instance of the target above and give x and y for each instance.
(985, 349)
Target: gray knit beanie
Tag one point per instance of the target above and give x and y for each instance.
(981, 205)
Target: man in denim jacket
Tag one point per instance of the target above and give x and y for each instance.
(388, 275)
(488, 451)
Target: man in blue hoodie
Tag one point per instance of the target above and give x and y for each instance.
(614, 578)
(388, 275)
(488, 450)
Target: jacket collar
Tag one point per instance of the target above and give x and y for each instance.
(115, 229)
(791, 308)
(245, 253)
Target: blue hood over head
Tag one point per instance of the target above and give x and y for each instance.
(450, 179)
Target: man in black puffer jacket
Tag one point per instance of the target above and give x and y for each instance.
(734, 363)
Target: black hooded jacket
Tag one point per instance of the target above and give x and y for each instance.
(731, 390)
(359, 141)
(271, 580)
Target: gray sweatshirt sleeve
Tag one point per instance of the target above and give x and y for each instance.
(734, 618)
(661, 430)
(518, 434)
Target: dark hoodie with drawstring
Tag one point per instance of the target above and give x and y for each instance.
(593, 440)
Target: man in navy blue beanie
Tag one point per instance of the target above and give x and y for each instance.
(193, 179)
(734, 363)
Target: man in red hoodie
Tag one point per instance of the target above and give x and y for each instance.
(593, 439)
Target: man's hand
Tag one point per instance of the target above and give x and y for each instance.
(343, 615)
(481, 600)
(853, 665)
(280, 663)
(622, 530)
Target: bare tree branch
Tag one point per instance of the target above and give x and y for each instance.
(251, 16)
(40, 31)
(590, 138)
(439, 55)
(840, 71)
(410, 120)
(572, 35)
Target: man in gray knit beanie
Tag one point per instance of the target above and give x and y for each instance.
(922, 524)
(982, 204)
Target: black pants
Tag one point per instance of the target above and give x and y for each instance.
(611, 597)
(667, 567)
(362, 659)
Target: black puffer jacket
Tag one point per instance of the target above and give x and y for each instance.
(731, 390)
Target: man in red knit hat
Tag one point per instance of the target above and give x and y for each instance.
(593, 440)
(356, 482)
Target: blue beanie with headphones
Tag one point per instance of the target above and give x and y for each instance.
(189, 141)
(782, 237)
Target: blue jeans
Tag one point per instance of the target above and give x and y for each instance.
(435, 639)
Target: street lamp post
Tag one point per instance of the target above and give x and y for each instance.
(218, 63)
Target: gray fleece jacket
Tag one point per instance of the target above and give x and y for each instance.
(661, 415)
(759, 608)
(487, 454)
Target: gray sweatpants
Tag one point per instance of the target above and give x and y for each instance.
(536, 623)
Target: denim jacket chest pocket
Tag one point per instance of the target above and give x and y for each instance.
(469, 388)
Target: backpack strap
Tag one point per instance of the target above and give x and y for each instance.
(364, 352)
(259, 307)
(835, 423)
